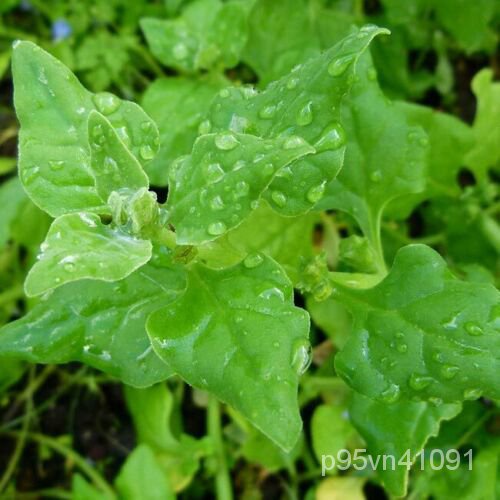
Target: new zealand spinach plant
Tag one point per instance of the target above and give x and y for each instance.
(286, 201)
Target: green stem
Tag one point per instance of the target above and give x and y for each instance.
(21, 440)
(222, 479)
(71, 455)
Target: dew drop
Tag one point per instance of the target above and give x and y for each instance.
(204, 127)
(292, 83)
(301, 356)
(56, 164)
(268, 169)
(123, 135)
(241, 189)
(216, 228)
(419, 382)
(226, 142)
(180, 51)
(146, 152)
(376, 176)
(402, 348)
(279, 198)
(449, 371)
(391, 394)
(69, 267)
(339, 66)
(106, 103)
(253, 260)
(473, 329)
(322, 291)
(294, 142)
(216, 203)
(471, 394)
(267, 112)
(316, 193)
(146, 126)
(305, 115)
(333, 137)
(272, 293)
(214, 172)
(224, 93)
(434, 401)
(239, 165)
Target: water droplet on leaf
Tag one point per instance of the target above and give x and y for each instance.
(279, 198)
(316, 193)
(301, 356)
(216, 228)
(106, 103)
(253, 260)
(333, 137)
(305, 115)
(226, 142)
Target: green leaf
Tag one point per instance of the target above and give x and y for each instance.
(217, 187)
(280, 35)
(341, 488)
(82, 490)
(485, 153)
(237, 334)
(12, 198)
(142, 477)
(394, 429)
(468, 22)
(449, 140)
(53, 109)
(331, 431)
(385, 157)
(100, 324)
(113, 165)
(306, 104)
(261, 450)
(80, 246)
(151, 411)
(178, 105)
(423, 334)
(288, 240)
(208, 33)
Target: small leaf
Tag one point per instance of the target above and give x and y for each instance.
(100, 324)
(422, 334)
(152, 411)
(143, 477)
(207, 33)
(113, 165)
(217, 187)
(237, 334)
(80, 246)
(485, 154)
(331, 431)
(394, 430)
(280, 37)
(53, 109)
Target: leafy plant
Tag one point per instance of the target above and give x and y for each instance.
(290, 203)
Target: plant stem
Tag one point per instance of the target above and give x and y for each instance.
(21, 440)
(70, 454)
(222, 479)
